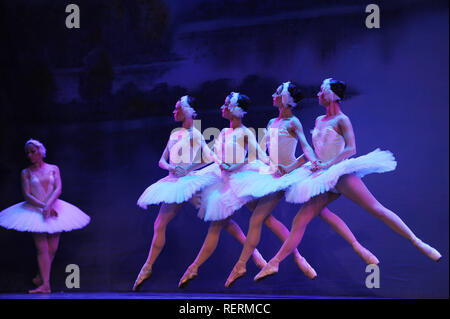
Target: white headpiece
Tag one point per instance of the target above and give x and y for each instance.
(286, 95)
(38, 144)
(328, 92)
(187, 109)
(234, 108)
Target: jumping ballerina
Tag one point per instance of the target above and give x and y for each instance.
(42, 213)
(334, 172)
(282, 136)
(181, 158)
(219, 201)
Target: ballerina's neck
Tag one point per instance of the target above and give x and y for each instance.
(333, 109)
(37, 166)
(188, 123)
(285, 113)
(235, 123)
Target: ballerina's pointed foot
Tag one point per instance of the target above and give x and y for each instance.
(188, 276)
(37, 281)
(259, 260)
(427, 250)
(306, 268)
(269, 270)
(366, 255)
(42, 289)
(144, 274)
(236, 273)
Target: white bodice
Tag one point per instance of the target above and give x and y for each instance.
(42, 188)
(183, 146)
(281, 144)
(327, 143)
(230, 145)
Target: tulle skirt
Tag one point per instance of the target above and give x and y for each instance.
(172, 189)
(259, 181)
(219, 200)
(323, 181)
(28, 218)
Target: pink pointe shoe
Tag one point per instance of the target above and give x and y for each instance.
(269, 270)
(365, 254)
(235, 274)
(43, 289)
(427, 249)
(144, 274)
(306, 268)
(188, 276)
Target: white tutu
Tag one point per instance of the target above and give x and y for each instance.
(323, 181)
(219, 200)
(171, 189)
(26, 217)
(258, 183)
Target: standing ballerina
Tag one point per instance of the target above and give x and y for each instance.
(282, 136)
(180, 157)
(219, 201)
(42, 213)
(333, 171)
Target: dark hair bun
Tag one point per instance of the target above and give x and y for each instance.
(192, 101)
(295, 92)
(338, 87)
(243, 102)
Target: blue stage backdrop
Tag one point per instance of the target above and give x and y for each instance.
(101, 97)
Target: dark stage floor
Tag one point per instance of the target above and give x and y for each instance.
(150, 295)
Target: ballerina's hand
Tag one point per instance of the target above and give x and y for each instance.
(53, 213)
(180, 171)
(46, 212)
(282, 170)
(318, 165)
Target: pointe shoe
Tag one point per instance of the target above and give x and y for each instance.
(269, 270)
(259, 261)
(306, 268)
(43, 289)
(188, 276)
(427, 250)
(235, 275)
(37, 281)
(365, 254)
(144, 274)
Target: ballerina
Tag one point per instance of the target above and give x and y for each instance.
(42, 213)
(183, 183)
(219, 201)
(281, 137)
(334, 172)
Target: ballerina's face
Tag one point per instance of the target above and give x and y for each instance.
(322, 100)
(226, 113)
(178, 113)
(33, 154)
(276, 97)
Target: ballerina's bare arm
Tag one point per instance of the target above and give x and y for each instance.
(255, 149)
(26, 190)
(210, 156)
(57, 189)
(163, 161)
(209, 153)
(345, 126)
(307, 149)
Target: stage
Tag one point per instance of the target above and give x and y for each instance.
(158, 295)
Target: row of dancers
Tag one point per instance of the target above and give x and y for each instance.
(236, 172)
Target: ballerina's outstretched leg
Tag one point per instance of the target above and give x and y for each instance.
(210, 245)
(166, 213)
(353, 187)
